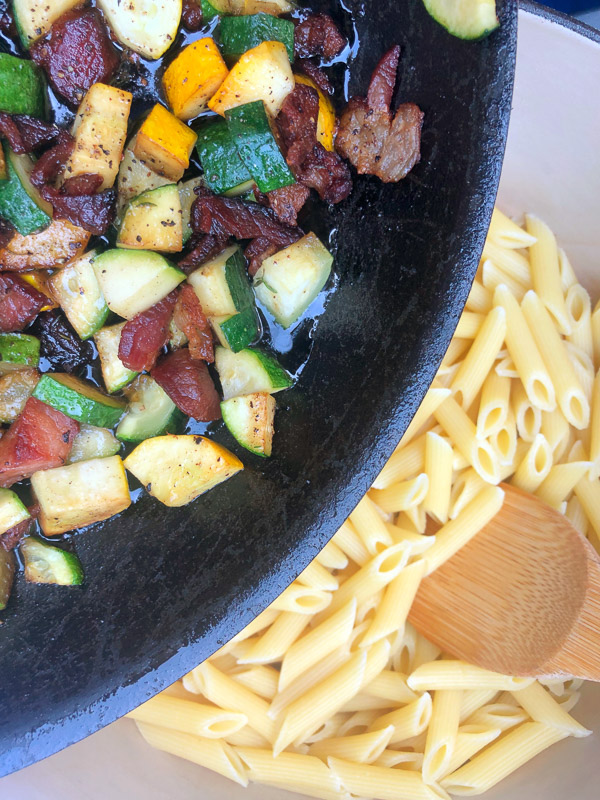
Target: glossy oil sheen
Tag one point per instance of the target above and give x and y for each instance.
(166, 587)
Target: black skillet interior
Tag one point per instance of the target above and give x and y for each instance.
(166, 587)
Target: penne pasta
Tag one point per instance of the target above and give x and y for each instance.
(463, 435)
(301, 600)
(594, 451)
(364, 748)
(189, 716)
(481, 357)
(407, 722)
(576, 515)
(479, 299)
(528, 418)
(535, 467)
(494, 404)
(332, 557)
(454, 354)
(391, 686)
(511, 262)
(392, 611)
(465, 487)
(505, 366)
(492, 277)
(259, 679)
(367, 780)
(588, 494)
(402, 464)
(560, 482)
(472, 699)
(370, 526)
(567, 274)
(454, 674)
(545, 274)
(358, 722)
(350, 543)
(262, 621)
(541, 707)
(556, 431)
(596, 336)
(468, 325)
(441, 734)
(498, 715)
(470, 739)
(399, 758)
(272, 645)
(579, 312)
(503, 232)
(401, 496)
(434, 397)
(292, 771)
(318, 577)
(584, 368)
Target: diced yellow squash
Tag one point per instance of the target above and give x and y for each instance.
(176, 469)
(165, 143)
(273, 7)
(192, 79)
(39, 281)
(81, 493)
(326, 120)
(262, 73)
(53, 247)
(135, 177)
(99, 129)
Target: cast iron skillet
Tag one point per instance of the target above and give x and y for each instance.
(166, 587)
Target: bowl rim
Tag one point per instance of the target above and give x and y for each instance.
(561, 19)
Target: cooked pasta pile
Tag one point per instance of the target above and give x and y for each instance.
(331, 692)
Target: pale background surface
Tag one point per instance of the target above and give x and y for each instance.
(549, 139)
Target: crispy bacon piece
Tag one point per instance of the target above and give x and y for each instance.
(20, 303)
(40, 438)
(144, 336)
(297, 119)
(11, 538)
(86, 183)
(373, 140)
(318, 35)
(189, 385)
(191, 15)
(204, 248)
(25, 134)
(191, 319)
(256, 252)
(50, 165)
(76, 53)
(316, 74)
(60, 344)
(92, 212)
(288, 201)
(227, 216)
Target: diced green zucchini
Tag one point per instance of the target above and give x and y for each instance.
(465, 19)
(12, 511)
(150, 412)
(250, 420)
(79, 494)
(153, 221)
(15, 388)
(114, 373)
(34, 18)
(187, 195)
(214, 8)
(8, 565)
(176, 469)
(47, 564)
(225, 295)
(18, 351)
(20, 202)
(134, 280)
(239, 34)
(288, 282)
(145, 26)
(177, 337)
(22, 87)
(224, 171)
(249, 371)
(77, 290)
(92, 442)
(135, 177)
(79, 400)
(250, 127)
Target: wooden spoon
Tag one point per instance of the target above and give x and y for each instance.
(521, 598)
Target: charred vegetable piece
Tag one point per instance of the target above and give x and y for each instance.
(18, 351)
(115, 374)
(326, 121)
(177, 469)
(13, 536)
(53, 247)
(8, 565)
(248, 372)
(165, 143)
(80, 494)
(193, 77)
(250, 419)
(20, 202)
(153, 221)
(60, 344)
(47, 564)
(224, 170)
(187, 196)
(15, 389)
(93, 442)
(77, 290)
(41, 438)
(144, 336)
(79, 400)
(150, 412)
(12, 510)
(189, 384)
(22, 87)
(239, 34)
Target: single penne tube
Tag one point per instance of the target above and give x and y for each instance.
(332, 557)
(596, 336)
(404, 652)
(494, 404)
(363, 748)
(579, 311)
(438, 468)
(453, 674)
(545, 272)
(441, 734)
(364, 614)
(262, 621)
(400, 758)
(301, 600)
(560, 482)
(524, 352)
(492, 277)
(390, 686)
(247, 737)
(292, 771)
(177, 689)
(328, 730)
(513, 264)
(480, 359)
(472, 699)
(501, 758)
(469, 324)
(556, 430)
(365, 702)
(417, 543)
(505, 366)
(464, 488)
(189, 716)
(567, 273)
(594, 451)
(224, 691)
(260, 679)
(370, 525)
(400, 496)
(408, 721)
(414, 518)
(359, 722)
(317, 643)
(584, 368)
(214, 754)
(588, 494)
(498, 715)
(273, 643)
(535, 467)
(503, 232)
(404, 462)
(458, 531)
(570, 394)
(521, 449)
(463, 434)
(318, 577)
(527, 416)
(454, 354)
(542, 707)
(391, 613)
(350, 543)
(479, 300)
(367, 780)
(470, 739)
(434, 397)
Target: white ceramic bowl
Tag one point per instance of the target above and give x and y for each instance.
(552, 167)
